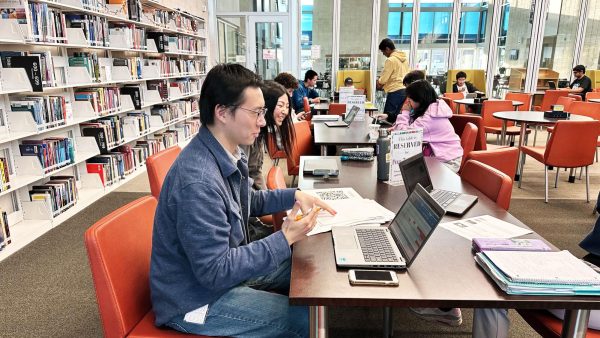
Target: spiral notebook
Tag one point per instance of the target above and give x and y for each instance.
(556, 267)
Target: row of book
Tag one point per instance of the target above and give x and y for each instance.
(132, 36)
(104, 100)
(47, 24)
(52, 152)
(107, 131)
(47, 111)
(90, 62)
(4, 231)
(134, 64)
(169, 66)
(175, 110)
(39, 67)
(175, 43)
(4, 175)
(190, 127)
(60, 193)
(139, 121)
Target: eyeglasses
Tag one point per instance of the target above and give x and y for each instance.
(259, 112)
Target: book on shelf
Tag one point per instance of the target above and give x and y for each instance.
(60, 192)
(5, 238)
(47, 111)
(95, 28)
(135, 92)
(47, 24)
(4, 174)
(99, 131)
(30, 63)
(161, 86)
(87, 60)
(52, 152)
(13, 9)
(97, 168)
(160, 39)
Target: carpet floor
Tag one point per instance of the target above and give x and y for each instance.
(46, 288)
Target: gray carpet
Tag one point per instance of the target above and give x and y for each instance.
(46, 288)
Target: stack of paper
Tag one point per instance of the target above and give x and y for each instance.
(351, 210)
(539, 273)
(484, 226)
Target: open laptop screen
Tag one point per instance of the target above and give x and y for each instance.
(351, 114)
(414, 170)
(415, 222)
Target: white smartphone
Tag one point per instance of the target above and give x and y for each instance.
(373, 277)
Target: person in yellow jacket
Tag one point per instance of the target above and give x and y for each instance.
(390, 80)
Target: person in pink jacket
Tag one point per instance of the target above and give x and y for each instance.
(422, 109)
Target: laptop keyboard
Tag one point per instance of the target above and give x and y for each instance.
(375, 245)
(444, 197)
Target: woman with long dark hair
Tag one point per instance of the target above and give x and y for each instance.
(422, 109)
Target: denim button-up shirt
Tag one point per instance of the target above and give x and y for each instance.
(199, 249)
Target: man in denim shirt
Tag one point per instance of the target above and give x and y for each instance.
(205, 277)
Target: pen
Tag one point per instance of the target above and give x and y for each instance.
(299, 217)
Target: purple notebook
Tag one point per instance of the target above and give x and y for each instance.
(509, 244)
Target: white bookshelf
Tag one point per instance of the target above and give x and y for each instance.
(28, 220)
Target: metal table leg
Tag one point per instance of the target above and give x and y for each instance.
(521, 154)
(323, 150)
(503, 134)
(318, 321)
(571, 176)
(388, 323)
(575, 323)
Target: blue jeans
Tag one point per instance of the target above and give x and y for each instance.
(393, 104)
(248, 310)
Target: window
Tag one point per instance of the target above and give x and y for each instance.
(315, 41)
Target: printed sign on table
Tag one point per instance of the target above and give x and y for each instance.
(404, 144)
(345, 92)
(358, 101)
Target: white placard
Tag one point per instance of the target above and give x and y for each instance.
(269, 54)
(404, 144)
(345, 92)
(315, 52)
(358, 101)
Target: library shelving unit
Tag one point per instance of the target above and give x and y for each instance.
(111, 83)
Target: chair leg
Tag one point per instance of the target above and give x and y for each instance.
(388, 324)
(587, 185)
(521, 169)
(546, 183)
(596, 154)
(497, 139)
(556, 180)
(535, 130)
(293, 180)
(276, 162)
(580, 172)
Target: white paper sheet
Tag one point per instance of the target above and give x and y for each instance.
(484, 227)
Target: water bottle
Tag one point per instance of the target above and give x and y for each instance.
(383, 155)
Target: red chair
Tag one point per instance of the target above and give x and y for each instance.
(274, 153)
(504, 159)
(565, 101)
(337, 108)
(550, 97)
(460, 121)
(158, 166)
(576, 97)
(303, 145)
(493, 125)
(548, 326)
(456, 96)
(491, 182)
(467, 140)
(592, 95)
(275, 180)
(521, 97)
(571, 145)
(306, 105)
(119, 247)
(450, 104)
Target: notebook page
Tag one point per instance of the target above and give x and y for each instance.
(558, 267)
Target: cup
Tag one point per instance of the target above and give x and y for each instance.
(373, 131)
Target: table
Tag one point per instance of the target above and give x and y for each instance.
(323, 108)
(355, 135)
(525, 118)
(471, 102)
(317, 282)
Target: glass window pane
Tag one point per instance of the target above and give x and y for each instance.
(356, 18)
(590, 56)
(269, 49)
(252, 5)
(232, 39)
(435, 22)
(315, 42)
(559, 42)
(513, 47)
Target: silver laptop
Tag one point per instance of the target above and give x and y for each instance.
(471, 95)
(347, 121)
(394, 247)
(414, 171)
(321, 167)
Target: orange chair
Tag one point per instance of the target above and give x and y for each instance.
(460, 121)
(550, 97)
(588, 109)
(565, 101)
(592, 95)
(275, 180)
(548, 326)
(158, 166)
(456, 96)
(274, 153)
(337, 108)
(576, 97)
(119, 247)
(521, 97)
(504, 159)
(467, 140)
(306, 105)
(491, 182)
(493, 125)
(303, 145)
(571, 145)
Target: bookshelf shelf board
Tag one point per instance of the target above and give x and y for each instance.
(23, 233)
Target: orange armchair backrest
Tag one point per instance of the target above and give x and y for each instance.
(119, 247)
(550, 97)
(572, 144)
(467, 139)
(459, 122)
(492, 182)
(592, 95)
(589, 109)
(274, 152)
(565, 101)
(492, 106)
(158, 166)
(337, 108)
(504, 159)
(575, 97)
(275, 180)
(302, 146)
(522, 97)
(456, 96)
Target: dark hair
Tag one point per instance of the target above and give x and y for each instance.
(272, 91)
(309, 75)
(386, 43)
(461, 74)
(413, 76)
(579, 68)
(348, 80)
(287, 80)
(224, 85)
(422, 92)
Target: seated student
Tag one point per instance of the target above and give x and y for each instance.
(290, 83)
(204, 275)
(306, 89)
(348, 82)
(279, 129)
(422, 109)
(462, 86)
(582, 84)
(409, 78)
